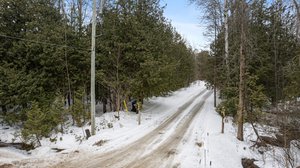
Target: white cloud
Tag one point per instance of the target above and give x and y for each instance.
(193, 33)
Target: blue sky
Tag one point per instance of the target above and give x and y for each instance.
(185, 17)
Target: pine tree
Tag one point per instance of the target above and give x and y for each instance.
(135, 39)
(35, 126)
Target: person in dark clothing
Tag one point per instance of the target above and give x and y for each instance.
(133, 105)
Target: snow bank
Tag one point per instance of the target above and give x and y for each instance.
(205, 146)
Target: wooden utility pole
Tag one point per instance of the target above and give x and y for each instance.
(93, 101)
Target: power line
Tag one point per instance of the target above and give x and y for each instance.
(45, 43)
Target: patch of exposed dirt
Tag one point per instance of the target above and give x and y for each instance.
(249, 163)
(6, 165)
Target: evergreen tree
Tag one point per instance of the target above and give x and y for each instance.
(271, 53)
(35, 126)
(140, 53)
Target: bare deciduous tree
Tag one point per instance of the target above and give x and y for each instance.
(241, 7)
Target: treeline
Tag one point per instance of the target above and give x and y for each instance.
(254, 63)
(140, 53)
(260, 69)
(45, 59)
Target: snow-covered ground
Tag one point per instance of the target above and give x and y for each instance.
(202, 145)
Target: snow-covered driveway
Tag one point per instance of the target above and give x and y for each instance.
(155, 149)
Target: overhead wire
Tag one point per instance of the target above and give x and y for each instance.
(44, 43)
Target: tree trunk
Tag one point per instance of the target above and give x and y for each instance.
(215, 64)
(66, 58)
(275, 59)
(222, 129)
(226, 40)
(298, 23)
(80, 16)
(298, 20)
(111, 101)
(118, 104)
(215, 93)
(114, 101)
(258, 136)
(62, 127)
(226, 54)
(118, 81)
(223, 118)
(4, 110)
(139, 112)
(104, 101)
(241, 106)
(38, 140)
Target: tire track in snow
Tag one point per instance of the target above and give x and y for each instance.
(131, 154)
(164, 154)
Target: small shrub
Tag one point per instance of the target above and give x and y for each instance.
(41, 120)
(100, 143)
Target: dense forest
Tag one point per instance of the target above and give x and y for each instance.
(45, 46)
(254, 62)
(45, 59)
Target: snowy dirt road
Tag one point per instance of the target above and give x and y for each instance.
(181, 130)
(155, 149)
